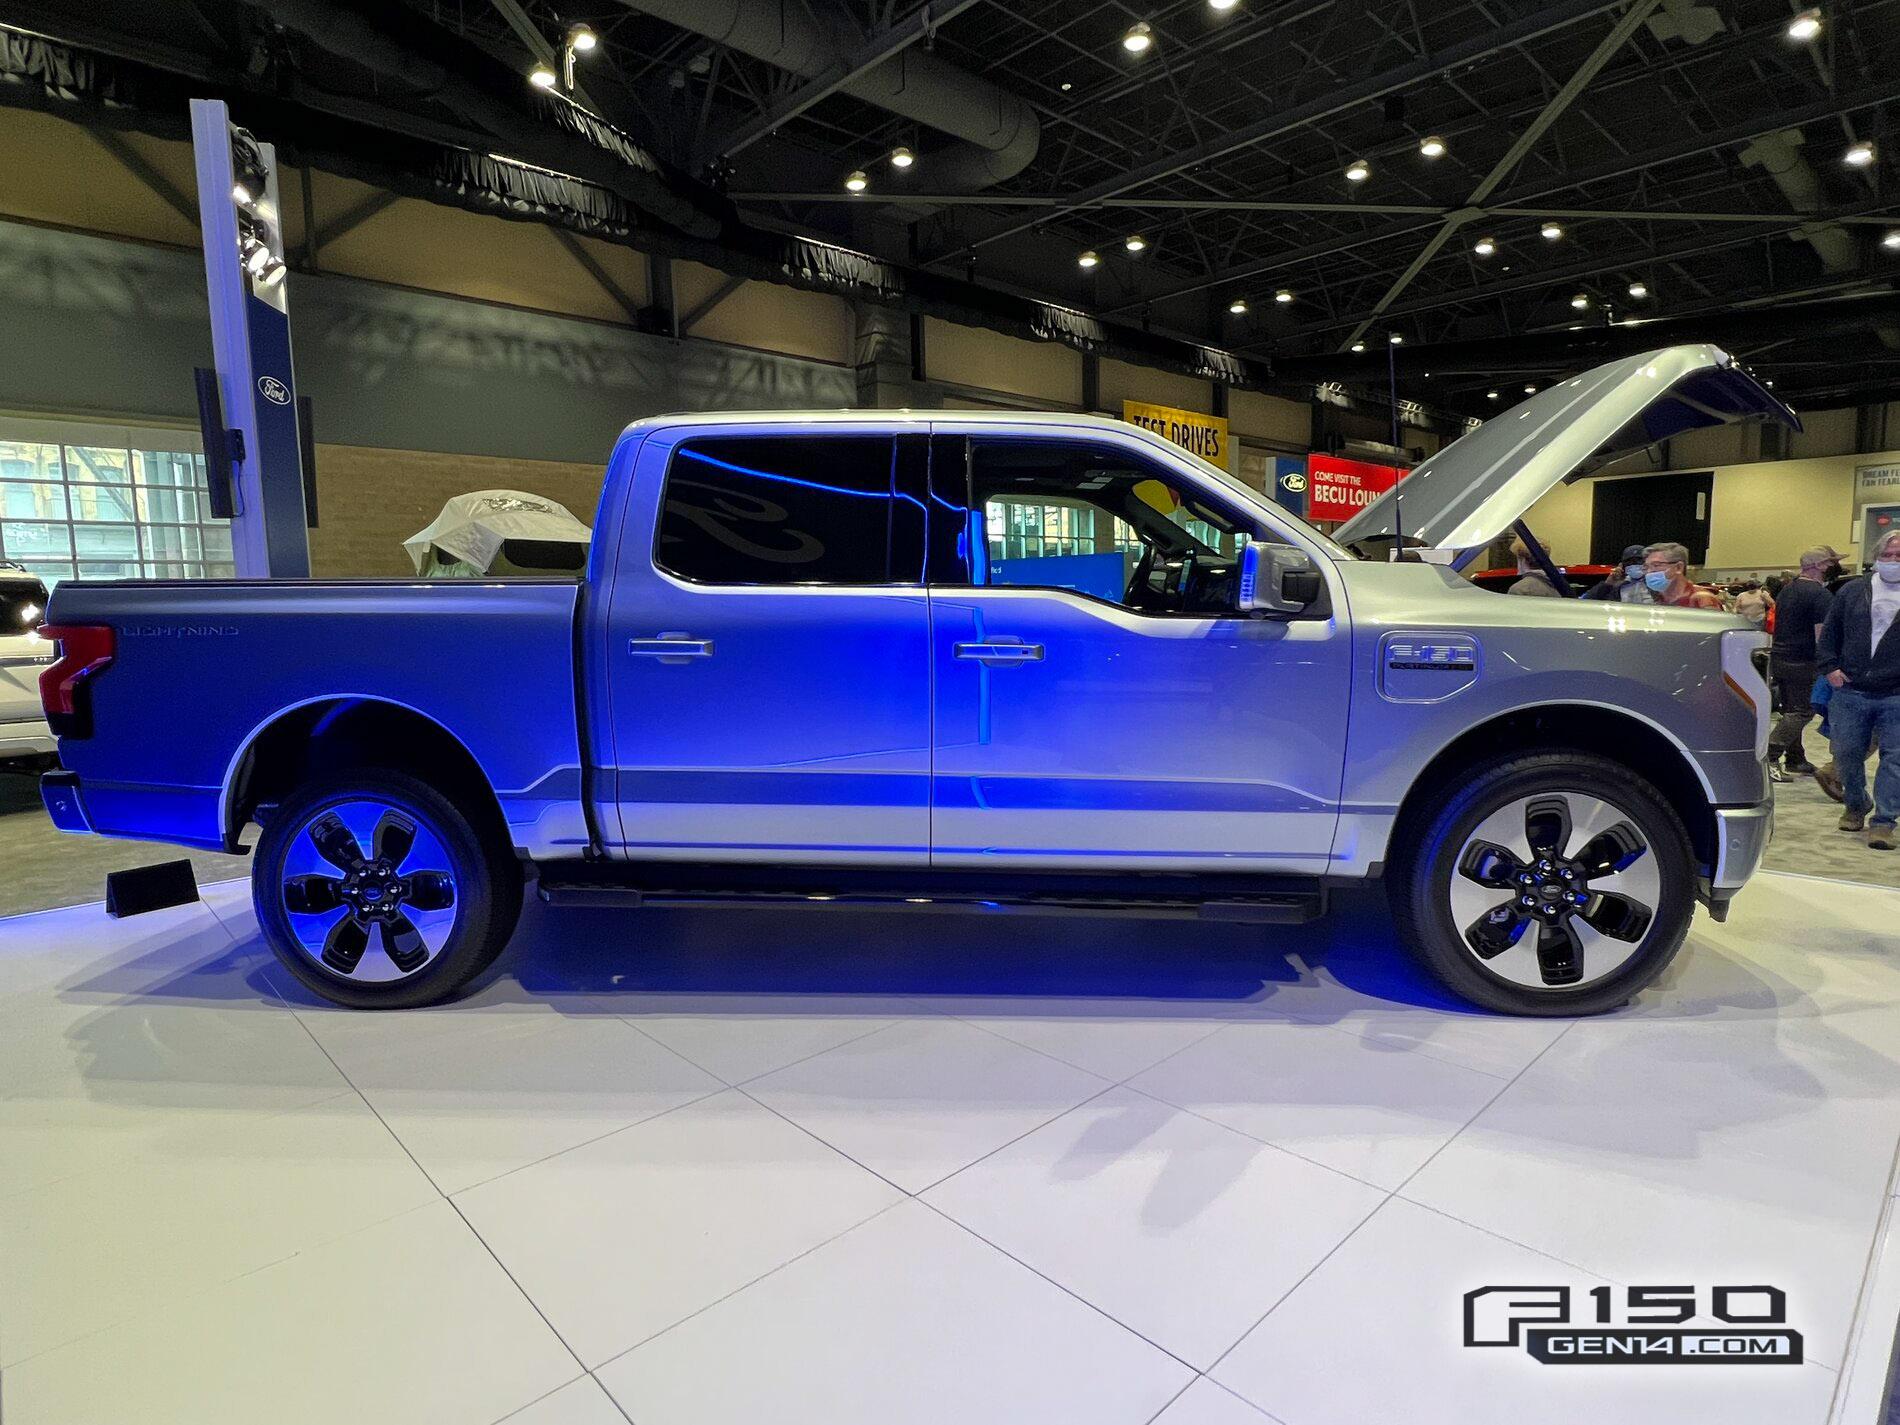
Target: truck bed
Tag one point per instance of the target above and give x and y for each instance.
(201, 668)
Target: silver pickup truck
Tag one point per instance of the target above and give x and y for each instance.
(961, 659)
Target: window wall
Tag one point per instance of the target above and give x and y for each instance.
(107, 503)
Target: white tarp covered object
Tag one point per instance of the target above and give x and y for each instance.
(472, 528)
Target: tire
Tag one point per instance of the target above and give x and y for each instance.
(378, 892)
(1602, 915)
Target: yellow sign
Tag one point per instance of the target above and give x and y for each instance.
(1206, 436)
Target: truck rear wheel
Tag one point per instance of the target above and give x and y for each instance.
(1544, 884)
(378, 892)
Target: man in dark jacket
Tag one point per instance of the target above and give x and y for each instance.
(1626, 585)
(1800, 610)
(1859, 655)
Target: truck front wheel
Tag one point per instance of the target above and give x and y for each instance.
(1544, 884)
(378, 892)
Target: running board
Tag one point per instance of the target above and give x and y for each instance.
(1216, 899)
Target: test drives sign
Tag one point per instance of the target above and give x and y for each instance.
(1206, 436)
(1338, 489)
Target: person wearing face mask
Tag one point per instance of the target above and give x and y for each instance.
(1859, 654)
(1666, 573)
(1626, 585)
(1800, 610)
(1530, 579)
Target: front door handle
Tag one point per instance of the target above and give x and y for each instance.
(998, 651)
(670, 647)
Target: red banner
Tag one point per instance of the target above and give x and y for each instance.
(1339, 489)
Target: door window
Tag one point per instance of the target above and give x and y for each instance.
(1091, 519)
(788, 510)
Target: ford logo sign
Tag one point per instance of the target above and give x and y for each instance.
(1293, 481)
(273, 390)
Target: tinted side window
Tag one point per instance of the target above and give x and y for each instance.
(788, 510)
(1095, 520)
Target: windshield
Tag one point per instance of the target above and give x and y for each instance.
(22, 606)
(1325, 541)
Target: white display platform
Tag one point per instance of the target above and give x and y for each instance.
(838, 1167)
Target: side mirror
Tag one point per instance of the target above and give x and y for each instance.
(1276, 579)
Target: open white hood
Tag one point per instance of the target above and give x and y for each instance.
(1475, 488)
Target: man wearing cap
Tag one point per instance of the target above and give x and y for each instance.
(1626, 585)
(1800, 610)
(1859, 654)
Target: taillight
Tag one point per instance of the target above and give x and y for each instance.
(85, 650)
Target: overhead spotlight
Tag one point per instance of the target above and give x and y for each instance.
(1138, 38)
(1485, 246)
(1859, 154)
(1892, 238)
(1237, 307)
(1432, 146)
(1397, 338)
(1769, 382)
(1358, 171)
(1283, 296)
(1530, 390)
(1087, 259)
(581, 40)
(241, 195)
(1805, 26)
(1490, 395)
(1551, 232)
(1221, 6)
(1639, 290)
(902, 157)
(541, 77)
(855, 181)
(1580, 301)
(1358, 346)
(1066, 86)
(1135, 242)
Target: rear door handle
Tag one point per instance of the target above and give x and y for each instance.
(1000, 652)
(670, 647)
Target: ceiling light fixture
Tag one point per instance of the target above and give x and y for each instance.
(1066, 86)
(1237, 307)
(1805, 26)
(1530, 390)
(1892, 238)
(1135, 242)
(541, 77)
(1551, 232)
(1358, 346)
(1087, 259)
(1485, 246)
(1639, 290)
(1859, 154)
(1397, 338)
(581, 40)
(1580, 301)
(1283, 296)
(1432, 146)
(1138, 38)
(902, 157)
(1490, 395)
(1221, 6)
(1358, 171)
(855, 181)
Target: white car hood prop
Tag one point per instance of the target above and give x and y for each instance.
(1472, 491)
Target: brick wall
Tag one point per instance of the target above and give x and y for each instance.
(370, 500)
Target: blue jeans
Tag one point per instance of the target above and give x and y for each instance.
(1854, 720)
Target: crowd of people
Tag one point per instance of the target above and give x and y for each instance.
(1830, 656)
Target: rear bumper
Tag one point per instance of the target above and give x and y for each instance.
(60, 792)
(30, 738)
(1741, 836)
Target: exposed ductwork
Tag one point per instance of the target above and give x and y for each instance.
(546, 130)
(1779, 155)
(999, 130)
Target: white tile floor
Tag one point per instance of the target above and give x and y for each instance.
(686, 1168)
